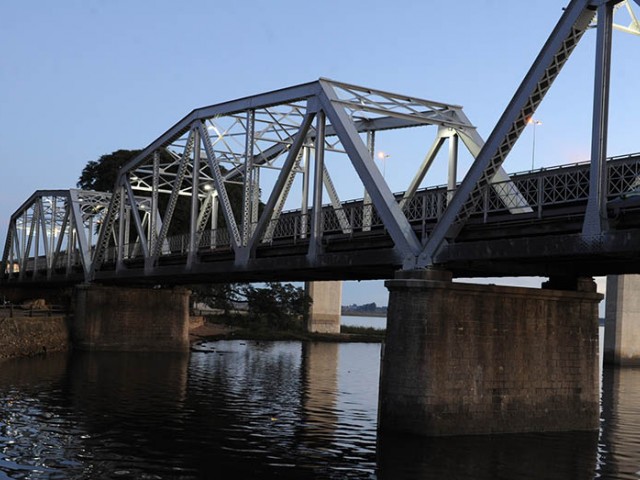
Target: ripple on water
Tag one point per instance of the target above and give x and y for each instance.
(267, 410)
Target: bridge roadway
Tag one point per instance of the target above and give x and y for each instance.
(544, 242)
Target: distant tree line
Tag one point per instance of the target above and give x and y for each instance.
(364, 308)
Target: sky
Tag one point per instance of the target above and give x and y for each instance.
(81, 78)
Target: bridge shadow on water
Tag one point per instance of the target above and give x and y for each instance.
(560, 456)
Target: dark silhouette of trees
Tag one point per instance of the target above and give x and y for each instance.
(101, 174)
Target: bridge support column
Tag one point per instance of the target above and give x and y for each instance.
(325, 311)
(130, 319)
(622, 320)
(465, 359)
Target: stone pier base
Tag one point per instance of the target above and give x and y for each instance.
(326, 309)
(130, 319)
(622, 327)
(479, 359)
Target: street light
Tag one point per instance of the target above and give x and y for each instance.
(533, 122)
(383, 156)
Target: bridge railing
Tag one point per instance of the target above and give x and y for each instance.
(560, 186)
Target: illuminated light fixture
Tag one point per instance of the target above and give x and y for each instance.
(534, 122)
(383, 156)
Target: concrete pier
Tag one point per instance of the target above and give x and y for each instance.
(325, 311)
(622, 320)
(479, 359)
(130, 319)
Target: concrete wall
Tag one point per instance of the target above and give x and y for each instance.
(476, 359)
(131, 319)
(622, 320)
(326, 309)
(22, 336)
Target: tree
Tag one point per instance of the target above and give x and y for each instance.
(101, 174)
(281, 306)
(222, 296)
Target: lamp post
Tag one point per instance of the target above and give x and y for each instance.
(383, 156)
(533, 122)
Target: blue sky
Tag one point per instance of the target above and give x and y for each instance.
(81, 78)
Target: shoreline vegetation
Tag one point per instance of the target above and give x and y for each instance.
(351, 313)
(366, 310)
(220, 327)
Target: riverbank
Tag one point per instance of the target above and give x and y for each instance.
(216, 330)
(357, 313)
(24, 336)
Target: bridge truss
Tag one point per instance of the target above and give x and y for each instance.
(52, 232)
(209, 170)
(218, 181)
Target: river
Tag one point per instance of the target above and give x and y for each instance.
(286, 410)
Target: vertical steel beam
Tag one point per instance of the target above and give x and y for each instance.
(89, 231)
(127, 231)
(247, 192)
(70, 247)
(367, 208)
(595, 219)
(52, 237)
(453, 166)
(44, 228)
(255, 198)
(204, 215)
(315, 242)
(14, 255)
(304, 210)
(36, 234)
(155, 181)
(195, 200)
(214, 219)
(27, 237)
(120, 239)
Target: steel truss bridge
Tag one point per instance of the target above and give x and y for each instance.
(210, 199)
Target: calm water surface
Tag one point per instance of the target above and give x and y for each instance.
(364, 321)
(267, 410)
